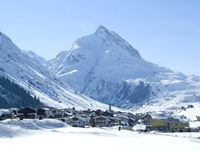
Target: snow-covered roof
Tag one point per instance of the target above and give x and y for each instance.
(5, 111)
(139, 127)
(160, 115)
(181, 118)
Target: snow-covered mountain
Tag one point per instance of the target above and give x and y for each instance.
(102, 66)
(27, 70)
(105, 67)
(36, 57)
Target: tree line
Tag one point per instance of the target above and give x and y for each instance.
(12, 95)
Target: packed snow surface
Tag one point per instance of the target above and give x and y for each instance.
(53, 134)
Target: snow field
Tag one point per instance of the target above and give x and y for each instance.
(51, 135)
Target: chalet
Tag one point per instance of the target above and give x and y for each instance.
(86, 117)
(101, 121)
(75, 121)
(55, 113)
(66, 114)
(27, 113)
(7, 114)
(42, 113)
(124, 120)
(113, 122)
(85, 113)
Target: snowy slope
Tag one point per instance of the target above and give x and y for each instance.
(105, 67)
(36, 57)
(102, 66)
(24, 69)
(52, 134)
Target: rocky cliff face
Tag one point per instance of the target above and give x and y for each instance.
(105, 67)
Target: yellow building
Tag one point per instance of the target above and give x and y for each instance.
(164, 122)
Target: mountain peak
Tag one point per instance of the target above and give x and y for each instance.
(112, 38)
(6, 43)
(3, 36)
(101, 29)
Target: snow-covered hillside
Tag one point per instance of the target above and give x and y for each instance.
(105, 67)
(26, 70)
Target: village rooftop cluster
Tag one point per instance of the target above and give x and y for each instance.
(97, 118)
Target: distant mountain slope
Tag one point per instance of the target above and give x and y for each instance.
(105, 67)
(26, 70)
(12, 95)
(35, 57)
(102, 66)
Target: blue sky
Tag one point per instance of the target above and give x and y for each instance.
(165, 32)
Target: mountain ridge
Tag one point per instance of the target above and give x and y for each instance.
(24, 69)
(102, 66)
(105, 67)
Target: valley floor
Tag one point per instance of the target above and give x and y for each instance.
(53, 134)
